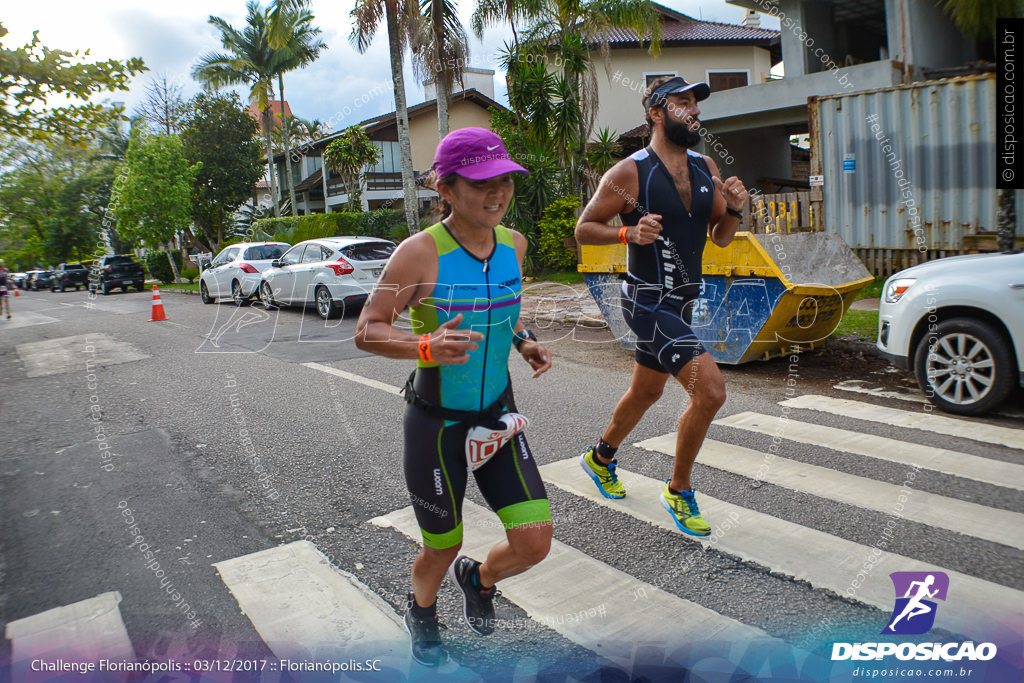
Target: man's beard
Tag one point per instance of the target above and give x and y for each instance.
(680, 134)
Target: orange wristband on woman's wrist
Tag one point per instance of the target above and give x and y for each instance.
(424, 345)
(622, 235)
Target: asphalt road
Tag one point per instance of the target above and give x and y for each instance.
(104, 411)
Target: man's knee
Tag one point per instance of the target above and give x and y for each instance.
(711, 395)
(441, 555)
(645, 395)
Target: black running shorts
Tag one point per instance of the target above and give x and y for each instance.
(436, 474)
(665, 341)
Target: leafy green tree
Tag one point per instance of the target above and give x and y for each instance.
(570, 31)
(152, 197)
(402, 18)
(295, 38)
(347, 156)
(32, 73)
(220, 138)
(248, 58)
(440, 53)
(47, 201)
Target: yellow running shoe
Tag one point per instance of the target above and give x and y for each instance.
(684, 511)
(607, 482)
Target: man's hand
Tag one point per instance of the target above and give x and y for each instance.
(646, 231)
(733, 191)
(536, 355)
(449, 346)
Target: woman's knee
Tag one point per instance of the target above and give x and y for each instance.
(533, 543)
(443, 556)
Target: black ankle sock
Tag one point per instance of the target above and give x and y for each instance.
(673, 491)
(605, 450)
(423, 612)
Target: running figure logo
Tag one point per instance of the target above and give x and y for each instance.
(913, 613)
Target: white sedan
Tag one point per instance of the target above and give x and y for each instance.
(236, 272)
(958, 324)
(332, 272)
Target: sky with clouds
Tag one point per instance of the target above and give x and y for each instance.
(171, 35)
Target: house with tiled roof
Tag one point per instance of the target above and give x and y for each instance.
(319, 190)
(723, 55)
(275, 111)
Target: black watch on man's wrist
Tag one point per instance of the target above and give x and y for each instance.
(734, 212)
(523, 335)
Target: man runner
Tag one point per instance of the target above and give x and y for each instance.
(670, 199)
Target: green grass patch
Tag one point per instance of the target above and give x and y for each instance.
(183, 286)
(873, 290)
(861, 324)
(562, 277)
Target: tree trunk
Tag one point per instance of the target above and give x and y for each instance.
(285, 125)
(267, 123)
(439, 73)
(1006, 219)
(402, 114)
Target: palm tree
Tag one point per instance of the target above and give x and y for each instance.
(572, 29)
(248, 59)
(292, 33)
(402, 17)
(978, 20)
(311, 129)
(441, 53)
(347, 156)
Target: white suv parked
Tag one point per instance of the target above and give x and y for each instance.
(958, 324)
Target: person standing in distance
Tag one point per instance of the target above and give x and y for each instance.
(462, 281)
(670, 199)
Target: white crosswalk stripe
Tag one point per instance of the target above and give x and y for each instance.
(600, 613)
(971, 519)
(305, 607)
(903, 452)
(949, 426)
(821, 559)
(88, 630)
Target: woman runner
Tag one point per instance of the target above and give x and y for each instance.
(462, 280)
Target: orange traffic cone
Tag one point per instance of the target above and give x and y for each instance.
(158, 307)
(17, 293)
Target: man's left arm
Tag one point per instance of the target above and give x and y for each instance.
(727, 210)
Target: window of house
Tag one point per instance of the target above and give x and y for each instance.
(314, 164)
(390, 158)
(726, 80)
(650, 78)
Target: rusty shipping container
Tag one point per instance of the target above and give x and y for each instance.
(909, 168)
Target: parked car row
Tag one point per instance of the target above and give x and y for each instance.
(331, 272)
(113, 271)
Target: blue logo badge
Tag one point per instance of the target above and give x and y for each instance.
(914, 611)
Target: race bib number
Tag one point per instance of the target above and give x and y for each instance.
(483, 442)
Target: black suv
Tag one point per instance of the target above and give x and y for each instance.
(69, 275)
(117, 271)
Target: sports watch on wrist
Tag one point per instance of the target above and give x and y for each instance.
(734, 212)
(523, 335)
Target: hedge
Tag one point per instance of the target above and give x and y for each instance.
(158, 265)
(384, 223)
(557, 224)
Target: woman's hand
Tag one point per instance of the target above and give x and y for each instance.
(536, 355)
(450, 346)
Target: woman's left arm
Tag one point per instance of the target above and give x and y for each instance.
(532, 351)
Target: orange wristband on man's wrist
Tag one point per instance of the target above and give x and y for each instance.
(622, 235)
(424, 345)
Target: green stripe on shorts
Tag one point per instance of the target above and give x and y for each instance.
(445, 540)
(527, 512)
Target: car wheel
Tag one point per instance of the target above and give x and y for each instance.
(236, 294)
(124, 288)
(106, 289)
(325, 305)
(140, 286)
(964, 366)
(53, 289)
(63, 287)
(267, 295)
(204, 293)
